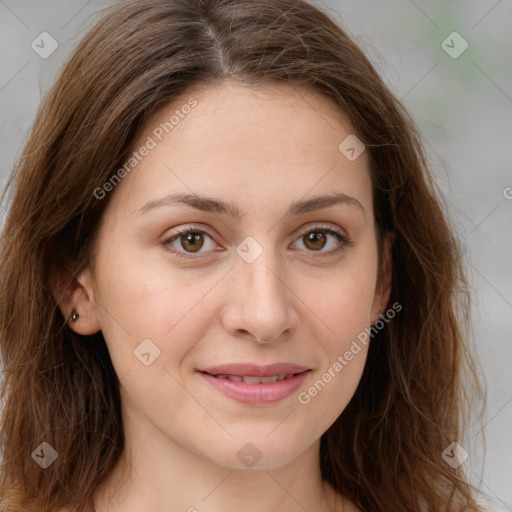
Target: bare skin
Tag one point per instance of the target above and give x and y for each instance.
(299, 301)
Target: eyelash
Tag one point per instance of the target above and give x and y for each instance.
(345, 242)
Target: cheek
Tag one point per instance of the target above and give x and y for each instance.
(343, 301)
(343, 304)
(142, 300)
(345, 311)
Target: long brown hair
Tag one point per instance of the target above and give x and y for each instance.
(384, 451)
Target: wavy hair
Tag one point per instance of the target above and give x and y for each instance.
(384, 452)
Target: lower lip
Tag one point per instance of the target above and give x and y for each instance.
(255, 394)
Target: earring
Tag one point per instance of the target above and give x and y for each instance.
(74, 316)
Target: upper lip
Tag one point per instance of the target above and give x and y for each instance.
(253, 370)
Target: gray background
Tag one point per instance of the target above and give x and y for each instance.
(462, 105)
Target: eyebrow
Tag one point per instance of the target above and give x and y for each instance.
(209, 204)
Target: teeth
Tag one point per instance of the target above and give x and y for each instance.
(268, 380)
(236, 378)
(250, 379)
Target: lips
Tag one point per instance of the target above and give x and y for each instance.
(252, 384)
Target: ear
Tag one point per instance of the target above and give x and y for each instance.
(383, 287)
(76, 294)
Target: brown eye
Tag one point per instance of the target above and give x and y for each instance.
(315, 240)
(323, 240)
(192, 242)
(189, 241)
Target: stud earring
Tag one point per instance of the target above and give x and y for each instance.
(74, 316)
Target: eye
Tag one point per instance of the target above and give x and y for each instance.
(191, 240)
(317, 238)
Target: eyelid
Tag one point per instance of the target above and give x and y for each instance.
(199, 228)
(323, 226)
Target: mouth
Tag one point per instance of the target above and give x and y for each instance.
(254, 379)
(251, 384)
(279, 370)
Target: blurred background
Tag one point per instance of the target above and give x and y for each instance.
(449, 62)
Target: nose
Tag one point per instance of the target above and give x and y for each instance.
(261, 306)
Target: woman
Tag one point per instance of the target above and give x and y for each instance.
(227, 280)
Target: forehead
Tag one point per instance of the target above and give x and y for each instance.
(233, 112)
(274, 141)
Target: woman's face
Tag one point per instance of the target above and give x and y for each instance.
(261, 279)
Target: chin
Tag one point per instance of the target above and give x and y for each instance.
(259, 454)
